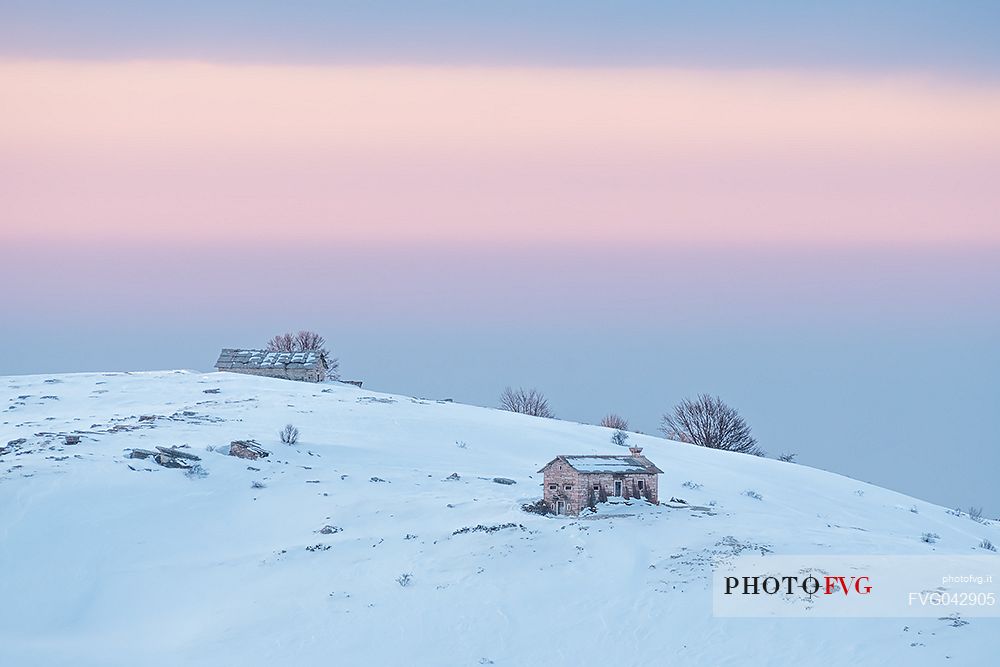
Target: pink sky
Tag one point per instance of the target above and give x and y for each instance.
(178, 152)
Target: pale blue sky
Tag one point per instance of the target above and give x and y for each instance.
(919, 34)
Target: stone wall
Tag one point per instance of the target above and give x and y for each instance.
(300, 374)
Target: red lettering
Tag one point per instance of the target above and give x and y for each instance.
(844, 584)
(831, 584)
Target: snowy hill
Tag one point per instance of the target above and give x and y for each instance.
(109, 560)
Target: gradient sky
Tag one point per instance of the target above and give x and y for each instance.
(619, 203)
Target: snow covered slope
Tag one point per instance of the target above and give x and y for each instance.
(106, 560)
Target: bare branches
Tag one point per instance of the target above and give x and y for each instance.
(306, 341)
(709, 422)
(289, 435)
(282, 343)
(300, 342)
(525, 401)
(309, 340)
(611, 420)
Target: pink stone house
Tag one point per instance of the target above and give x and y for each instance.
(574, 482)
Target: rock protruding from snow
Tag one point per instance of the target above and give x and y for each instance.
(168, 461)
(178, 454)
(140, 454)
(167, 457)
(247, 449)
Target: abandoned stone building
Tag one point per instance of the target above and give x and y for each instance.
(308, 366)
(574, 482)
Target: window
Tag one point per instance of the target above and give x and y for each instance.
(569, 486)
(640, 485)
(597, 487)
(552, 486)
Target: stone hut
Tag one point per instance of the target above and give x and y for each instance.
(573, 482)
(308, 366)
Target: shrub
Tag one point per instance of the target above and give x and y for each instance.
(750, 493)
(611, 420)
(691, 485)
(404, 579)
(289, 435)
(526, 402)
(196, 472)
(256, 485)
(976, 514)
(930, 538)
(619, 438)
(787, 458)
(986, 544)
(537, 507)
(707, 421)
(480, 528)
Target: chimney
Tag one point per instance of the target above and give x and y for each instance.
(635, 451)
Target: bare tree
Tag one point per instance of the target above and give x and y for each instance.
(306, 341)
(611, 420)
(709, 422)
(525, 401)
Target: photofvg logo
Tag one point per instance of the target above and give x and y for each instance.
(787, 585)
(856, 586)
